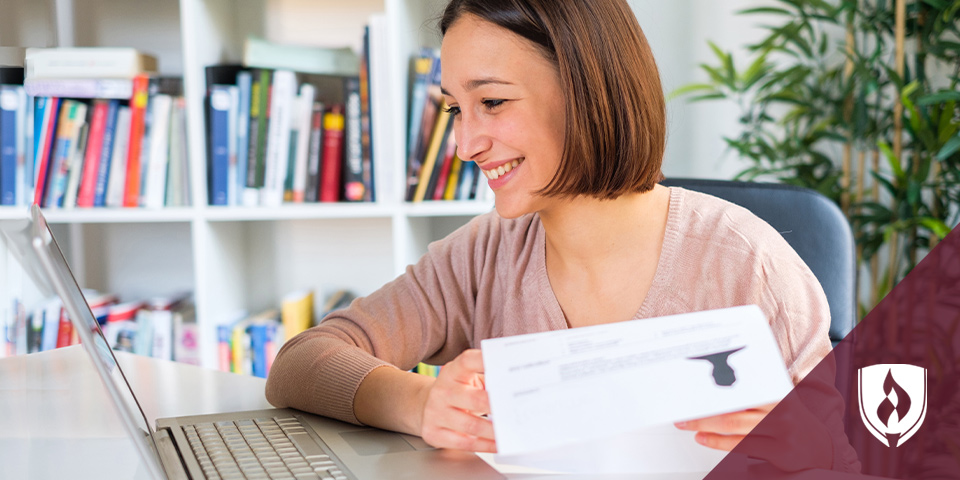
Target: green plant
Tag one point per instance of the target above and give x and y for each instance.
(832, 100)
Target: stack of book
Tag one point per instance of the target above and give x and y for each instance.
(249, 343)
(94, 127)
(291, 125)
(434, 172)
(162, 327)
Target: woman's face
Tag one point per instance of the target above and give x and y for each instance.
(508, 110)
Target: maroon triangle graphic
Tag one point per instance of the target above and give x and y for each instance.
(823, 424)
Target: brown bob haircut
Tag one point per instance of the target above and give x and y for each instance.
(615, 130)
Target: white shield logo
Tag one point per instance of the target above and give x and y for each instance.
(893, 400)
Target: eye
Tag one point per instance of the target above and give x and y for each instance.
(493, 103)
(453, 110)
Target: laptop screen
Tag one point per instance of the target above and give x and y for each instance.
(34, 247)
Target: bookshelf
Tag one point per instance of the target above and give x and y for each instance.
(240, 258)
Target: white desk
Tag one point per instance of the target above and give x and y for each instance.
(56, 420)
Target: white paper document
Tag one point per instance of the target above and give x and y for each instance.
(604, 398)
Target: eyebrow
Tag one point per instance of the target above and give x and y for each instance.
(474, 84)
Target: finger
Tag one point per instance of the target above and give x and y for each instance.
(445, 438)
(717, 441)
(467, 398)
(466, 366)
(741, 422)
(467, 423)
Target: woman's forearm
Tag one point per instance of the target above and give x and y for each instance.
(392, 399)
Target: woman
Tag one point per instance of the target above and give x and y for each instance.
(560, 105)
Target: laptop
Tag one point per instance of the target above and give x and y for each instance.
(272, 443)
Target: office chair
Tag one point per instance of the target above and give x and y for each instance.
(812, 224)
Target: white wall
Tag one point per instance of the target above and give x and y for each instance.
(678, 31)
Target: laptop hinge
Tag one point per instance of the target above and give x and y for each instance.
(170, 456)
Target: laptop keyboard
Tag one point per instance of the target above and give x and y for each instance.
(275, 448)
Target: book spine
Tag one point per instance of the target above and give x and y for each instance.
(223, 348)
(263, 119)
(9, 104)
(91, 161)
(426, 170)
(26, 151)
(117, 182)
(258, 343)
(77, 151)
(251, 195)
(162, 334)
(304, 111)
(244, 83)
(68, 135)
(65, 330)
(219, 150)
(282, 97)
(455, 169)
(106, 154)
(449, 151)
(51, 326)
(312, 193)
(232, 135)
(106, 88)
(156, 172)
(46, 115)
(332, 155)
(138, 111)
(87, 63)
(353, 187)
(366, 125)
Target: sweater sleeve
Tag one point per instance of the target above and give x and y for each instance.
(801, 324)
(422, 314)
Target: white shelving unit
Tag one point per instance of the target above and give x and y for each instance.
(247, 258)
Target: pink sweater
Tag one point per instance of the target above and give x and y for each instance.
(488, 279)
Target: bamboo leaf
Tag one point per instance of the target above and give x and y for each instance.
(769, 10)
(949, 148)
(935, 225)
(938, 97)
(693, 87)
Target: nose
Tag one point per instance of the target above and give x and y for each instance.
(472, 138)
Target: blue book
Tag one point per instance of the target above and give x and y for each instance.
(244, 85)
(9, 104)
(219, 165)
(259, 336)
(109, 135)
(28, 145)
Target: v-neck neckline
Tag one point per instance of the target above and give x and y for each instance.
(668, 252)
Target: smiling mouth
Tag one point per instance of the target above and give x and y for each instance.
(495, 173)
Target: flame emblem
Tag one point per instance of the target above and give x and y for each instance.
(888, 389)
(886, 408)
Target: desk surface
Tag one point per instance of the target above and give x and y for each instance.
(56, 420)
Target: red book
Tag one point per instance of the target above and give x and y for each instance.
(138, 112)
(91, 159)
(48, 132)
(332, 155)
(65, 332)
(448, 155)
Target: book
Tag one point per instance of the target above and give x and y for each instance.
(300, 142)
(138, 111)
(335, 301)
(430, 158)
(422, 66)
(312, 188)
(156, 170)
(87, 62)
(332, 155)
(106, 154)
(450, 193)
(72, 118)
(260, 53)
(353, 186)
(282, 95)
(186, 334)
(218, 138)
(259, 120)
(366, 125)
(92, 156)
(52, 313)
(427, 121)
(77, 150)
(178, 177)
(117, 177)
(296, 312)
(47, 113)
(115, 88)
(449, 152)
(10, 104)
(244, 92)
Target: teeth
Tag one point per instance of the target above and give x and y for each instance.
(495, 173)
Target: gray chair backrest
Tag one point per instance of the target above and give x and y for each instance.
(812, 224)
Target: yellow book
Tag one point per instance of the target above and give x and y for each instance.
(454, 179)
(436, 139)
(296, 312)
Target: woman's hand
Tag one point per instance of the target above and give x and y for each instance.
(786, 442)
(455, 405)
(723, 432)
